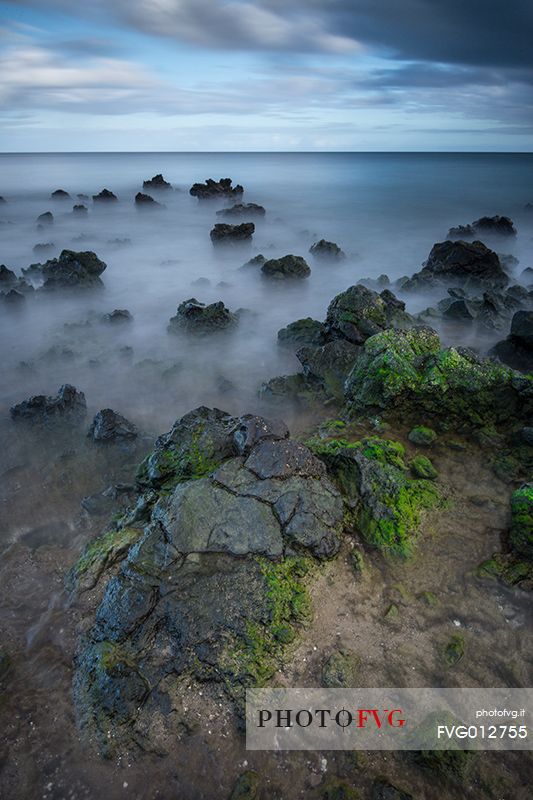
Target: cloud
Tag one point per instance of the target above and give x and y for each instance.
(475, 32)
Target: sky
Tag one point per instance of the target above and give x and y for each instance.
(262, 75)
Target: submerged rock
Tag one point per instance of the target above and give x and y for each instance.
(145, 201)
(209, 586)
(327, 251)
(223, 232)
(256, 261)
(80, 210)
(45, 219)
(198, 318)
(105, 196)
(213, 190)
(287, 267)
(461, 232)
(7, 277)
(108, 426)
(60, 194)
(71, 270)
(43, 247)
(118, 316)
(242, 210)
(13, 298)
(459, 263)
(157, 182)
(503, 226)
(69, 403)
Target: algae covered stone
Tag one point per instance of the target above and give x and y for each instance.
(408, 370)
(422, 436)
(521, 533)
(421, 467)
(341, 670)
(213, 587)
(388, 506)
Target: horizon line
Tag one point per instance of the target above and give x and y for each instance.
(264, 152)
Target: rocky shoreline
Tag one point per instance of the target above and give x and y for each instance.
(204, 556)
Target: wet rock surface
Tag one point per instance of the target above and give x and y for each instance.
(157, 182)
(359, 313)
(68, 405)
(286, 268)
(71, 270)
(224, 232)
(108, 426)
(202, 574)
(214, 190)
(242, 210)
(198, 318)
(327, 251)
(105, 196)
(460, 263)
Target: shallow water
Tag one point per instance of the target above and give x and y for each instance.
(384, 210)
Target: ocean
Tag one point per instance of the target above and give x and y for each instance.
(385, 210)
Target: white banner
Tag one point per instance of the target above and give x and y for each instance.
(389, 719)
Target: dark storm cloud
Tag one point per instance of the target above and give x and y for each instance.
(481, 32)
(474, 32)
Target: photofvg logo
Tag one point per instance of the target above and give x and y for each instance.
(388, 719)
(326, 717)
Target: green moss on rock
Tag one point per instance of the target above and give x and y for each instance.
(454, 649)
(341, 670)
(372, 474)
(99, 554)
(422, 436)
(409, 369)
(421, 467)
(251, 660)
(521, 533)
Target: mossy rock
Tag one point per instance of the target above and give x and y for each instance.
(372, 474)
(507, 568)
(246, 786)
(99, 554)
(391, 613)
(422, 436)
(357, 560)
(408, 371)
(421, 467)
(253, 658)
(341, 670)
(454, 650)
(429, 598)
(521, 533)
(338, 789)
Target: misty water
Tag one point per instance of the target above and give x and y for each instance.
(384, 210)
